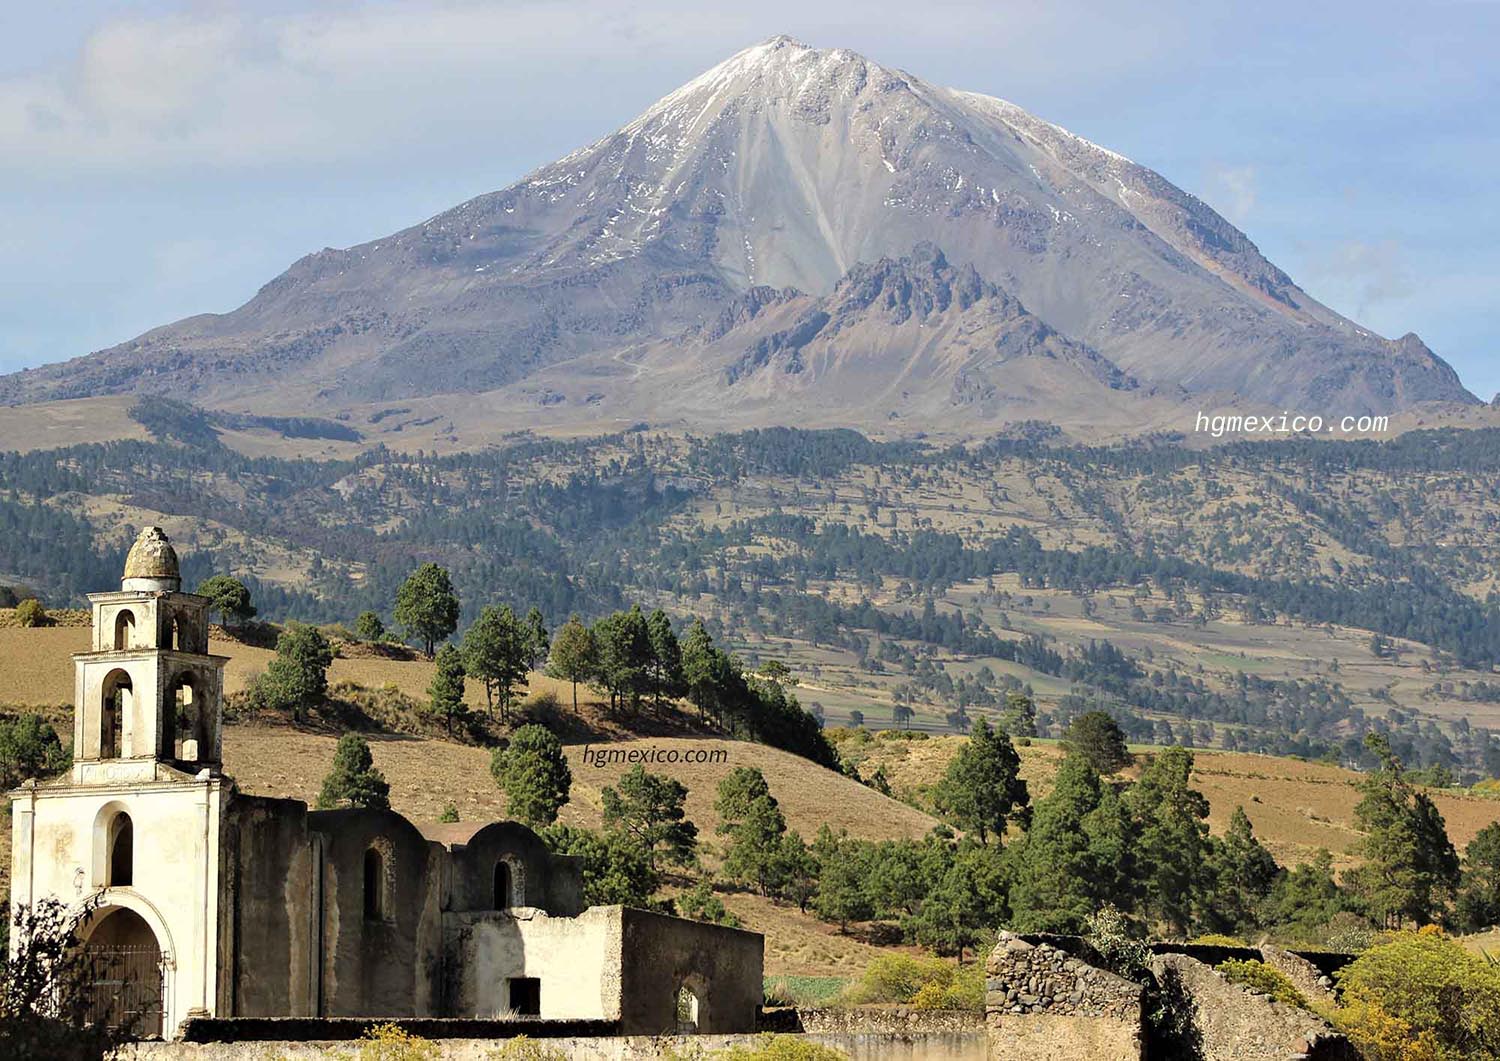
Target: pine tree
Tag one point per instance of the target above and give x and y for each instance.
(965, 904)
(751, 819)
(1172, 845)
(649, 809)
(427, 606)
(699, 667)
(982, 791)
(353, 780)
(1410, 868)
(446, 693)
(574, 656)
(297, 678)
(495, 652)
(666, 658)
(534, 774)
(1243, 872)
(1479, 895)
(1019, 716)
(1074, 858)
(1098, 738)
(534, 634)
(843, 866)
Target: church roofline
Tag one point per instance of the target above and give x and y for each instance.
(137, 653)
(113, 596)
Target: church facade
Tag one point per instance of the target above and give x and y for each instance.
(196, 900)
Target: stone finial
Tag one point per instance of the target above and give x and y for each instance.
(152, 557)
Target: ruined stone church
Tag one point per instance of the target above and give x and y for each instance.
(197, 900)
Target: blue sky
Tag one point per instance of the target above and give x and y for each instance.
(159, 159)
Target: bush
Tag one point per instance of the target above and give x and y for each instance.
(1215, 939)
(809, 991)
(30, 613)
(1420, 990)
(781, 1048)
(1260, 977)
(927, 983)
(388, 1042)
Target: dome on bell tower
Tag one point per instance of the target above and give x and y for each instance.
(152, 563)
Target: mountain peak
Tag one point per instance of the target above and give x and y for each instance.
(783, 168)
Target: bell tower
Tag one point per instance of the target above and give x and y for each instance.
(148, 694)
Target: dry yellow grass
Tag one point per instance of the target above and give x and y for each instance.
(426, 774)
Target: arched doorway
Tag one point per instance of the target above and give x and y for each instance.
(123, 964)
(687, 1010)
(186, 737)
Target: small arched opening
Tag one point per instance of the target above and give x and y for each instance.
(186, 734)
(174, 635)
(123, 972)
(119, 869)
(124, 629)
(687, 1010)
(503, 884)
(374, 885)
(114, 706)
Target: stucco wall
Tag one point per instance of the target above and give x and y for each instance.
(269, 896)
(577, 960)
(59, 849)
(721, 966)
(390, 964)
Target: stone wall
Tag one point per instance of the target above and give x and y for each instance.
(1227, 1022)
(1044, 1004)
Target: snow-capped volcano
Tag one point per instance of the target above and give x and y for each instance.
(785, 166)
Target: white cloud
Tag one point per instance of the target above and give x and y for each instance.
(1234, 190)
(1366, 275)
(239, 86)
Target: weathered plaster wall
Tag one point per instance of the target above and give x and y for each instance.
(269, 897)
(391, 963)
(721, 966)
(1043, 1004)
(60, 848)
(1229, 1023)
(577, 960)
(543, 880)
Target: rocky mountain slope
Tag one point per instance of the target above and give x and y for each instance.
(788, 167)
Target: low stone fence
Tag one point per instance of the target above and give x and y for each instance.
(1044, 1004)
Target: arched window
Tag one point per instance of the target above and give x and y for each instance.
(121, 870)
(502, 885)
(374, 885)
(113, 708)
(124, 629)
(186, 723)
(174, 635)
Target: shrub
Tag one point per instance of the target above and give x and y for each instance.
(781, 1048)
(1215, 939)
(1113, 935)
(388, 1042)
(31, 613)
(1420, 995)
(927, 983)
(1258, 976)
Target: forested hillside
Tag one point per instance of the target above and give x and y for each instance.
(1281, 596)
